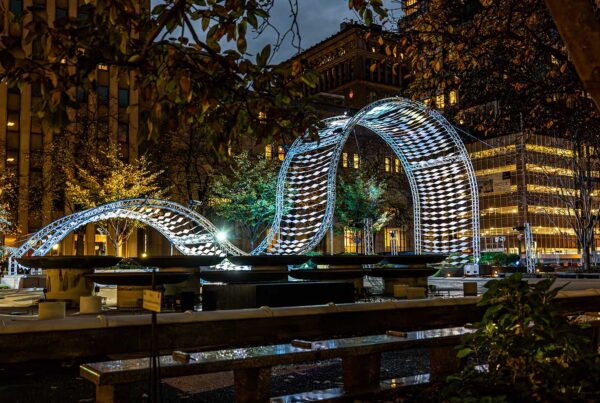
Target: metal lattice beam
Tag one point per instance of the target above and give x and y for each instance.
(189, 232)
(441, 178)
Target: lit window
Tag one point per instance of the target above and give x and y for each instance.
(268, 151)
(280, 153)
(439, 101)
(262, 117)
(453, 97)
(397, 165)
(427, 101)
(103, 67)
(356, 161)
(387, 165)
(345, 160)
(410, 7)
(395, 235)
(352, 240)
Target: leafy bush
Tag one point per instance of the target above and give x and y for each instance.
(529, 349)
(498, 258)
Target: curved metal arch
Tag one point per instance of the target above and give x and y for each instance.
(188, 231)
(439, 171)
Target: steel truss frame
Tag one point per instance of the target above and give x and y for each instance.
(189, 232)
(441, 178)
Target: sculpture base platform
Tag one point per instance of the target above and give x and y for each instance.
(241, 296)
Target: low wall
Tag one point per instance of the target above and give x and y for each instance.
(97, 336)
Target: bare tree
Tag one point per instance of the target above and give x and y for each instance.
(571, 192)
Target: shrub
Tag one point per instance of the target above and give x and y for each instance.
(530, 350)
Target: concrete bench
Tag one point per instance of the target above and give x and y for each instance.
(361, 361)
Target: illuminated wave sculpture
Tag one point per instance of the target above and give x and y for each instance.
(442, 181)
(439, 171)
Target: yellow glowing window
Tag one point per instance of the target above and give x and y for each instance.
(453, 97)
(397, 165)
(562, 152)
(439, 101)
(345, 160)
(500, 210)
(490, 171)
(262, 116)
(103, 67)
(398, 236)
(268, 151)
(549, 210)
(388, 164)
(356, 161)
(352, 240)
(280, 153)
(427, 102)
(411, 7)
(493, 152)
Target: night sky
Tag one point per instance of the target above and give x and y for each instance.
(317, 20)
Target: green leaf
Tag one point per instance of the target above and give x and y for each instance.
(263, 56)
(464, 352)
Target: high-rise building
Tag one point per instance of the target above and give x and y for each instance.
(355, 71)
(26, 149)
(353, 67)
(529, 170)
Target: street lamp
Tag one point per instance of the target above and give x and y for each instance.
(221, 236)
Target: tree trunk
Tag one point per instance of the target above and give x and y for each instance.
(80, 244)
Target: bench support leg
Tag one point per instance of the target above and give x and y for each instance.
(442, 362)
(112, 393)
(252, 385)
(361, 370)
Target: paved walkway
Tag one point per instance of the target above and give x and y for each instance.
(23, 298)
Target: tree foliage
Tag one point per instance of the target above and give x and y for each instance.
(107, 178)
(360, 197)
(506, 55)
(246, 194)
(530, 350)
(8, 200)
(188, 59)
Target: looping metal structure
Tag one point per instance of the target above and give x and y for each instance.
(189, 232)
(439, 171)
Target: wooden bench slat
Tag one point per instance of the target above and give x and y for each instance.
(341, 394)
(132, 370)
